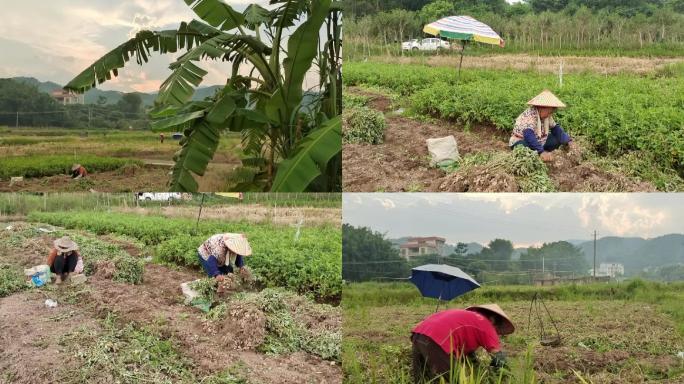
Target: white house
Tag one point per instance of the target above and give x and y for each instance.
(609, 269)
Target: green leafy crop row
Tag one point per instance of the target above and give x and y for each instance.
(49, 165)
(311, 264)
(619, 113)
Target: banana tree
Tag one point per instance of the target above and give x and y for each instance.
(291, 137)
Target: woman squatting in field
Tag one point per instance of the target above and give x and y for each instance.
(447, 336)
(64, 259)
(536, 129)
(215, 254)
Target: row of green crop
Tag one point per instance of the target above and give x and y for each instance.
(617, 113)
(308, 264)
(49, 165)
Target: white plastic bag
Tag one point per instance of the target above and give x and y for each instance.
(442, 150)
(189, 293)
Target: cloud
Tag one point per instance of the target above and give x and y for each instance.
(619, 214)
(386, 203)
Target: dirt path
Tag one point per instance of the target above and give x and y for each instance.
(550, 64)
(401, 162)
(158, 303)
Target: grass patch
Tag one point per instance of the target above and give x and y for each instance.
(11, 280)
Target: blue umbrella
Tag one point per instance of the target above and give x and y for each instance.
(441, 281)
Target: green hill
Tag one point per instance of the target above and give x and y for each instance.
(112, 97)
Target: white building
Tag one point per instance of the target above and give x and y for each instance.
(609, 269)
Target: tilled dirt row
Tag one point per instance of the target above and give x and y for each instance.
(158, 303)
(401, 162)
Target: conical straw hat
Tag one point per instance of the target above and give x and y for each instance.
(237, 243)
(546, 99)
(65, 244)
(75, 167)
(507, 326)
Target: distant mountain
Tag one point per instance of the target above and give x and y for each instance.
(636, 253)
(112, 97)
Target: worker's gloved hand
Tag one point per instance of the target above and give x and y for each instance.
(498, 360)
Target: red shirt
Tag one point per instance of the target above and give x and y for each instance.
(458, 330)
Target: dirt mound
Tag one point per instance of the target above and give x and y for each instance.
(571, 173)
(479, 179)
(104, 269)
(247, 325)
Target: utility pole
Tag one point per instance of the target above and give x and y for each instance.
(90, 115)
(17, 124)
(594, 254)
(543, 272)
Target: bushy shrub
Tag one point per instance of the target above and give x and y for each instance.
(362, 125)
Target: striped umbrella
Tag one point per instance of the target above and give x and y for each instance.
(464, 28)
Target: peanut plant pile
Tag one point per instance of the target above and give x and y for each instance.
(49, 165)
(309, 265)
(618, 114)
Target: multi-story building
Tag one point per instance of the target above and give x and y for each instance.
(417, 246)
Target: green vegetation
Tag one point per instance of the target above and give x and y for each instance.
(11, 280)
(618, 114)
(539, 27)
(362, 125)
(367, 255)
(292, 138)
(50, 165)
(308, 265)
(23, 104)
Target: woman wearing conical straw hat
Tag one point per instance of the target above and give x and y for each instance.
(218, 252)
(536, 129)
(64, 259)
(456, 334)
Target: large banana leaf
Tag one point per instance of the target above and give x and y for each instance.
(198, 148)
(170, 41)
(311, 157)
(302, 48)
(217, 13)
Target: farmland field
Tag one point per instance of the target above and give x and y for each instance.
(612, 333)
(128, 322)
(629, 126)
(117, 161)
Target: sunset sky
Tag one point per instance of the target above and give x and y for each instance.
(55, 40)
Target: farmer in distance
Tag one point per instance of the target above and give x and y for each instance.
(458, 333)
(216, 253)
(536, 129)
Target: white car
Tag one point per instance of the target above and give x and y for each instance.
(159, 196)
(428, 44)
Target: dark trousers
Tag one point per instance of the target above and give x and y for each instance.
(429, 359)
(554, 140)
(64, 264)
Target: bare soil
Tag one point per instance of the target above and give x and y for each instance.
(571, 64)
(401, 162)
(157, 303)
